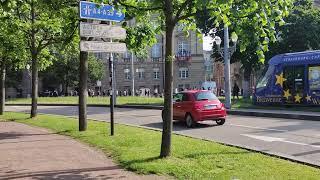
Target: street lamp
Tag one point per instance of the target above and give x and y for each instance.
(226, 53)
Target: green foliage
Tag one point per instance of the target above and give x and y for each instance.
(52, 24)
(12, 49)
(65, 65)
(302, 31)
(263, 16)
(140, 38)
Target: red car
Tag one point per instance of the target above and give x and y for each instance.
(198, 105)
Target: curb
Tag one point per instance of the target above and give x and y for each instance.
(231, 112)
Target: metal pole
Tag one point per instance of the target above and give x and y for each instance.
(227, 68)
(132, 75)
(111, 94)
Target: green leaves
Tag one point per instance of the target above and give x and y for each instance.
(140, 38)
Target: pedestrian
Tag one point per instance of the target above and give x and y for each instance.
(236, 90)
(156, 92)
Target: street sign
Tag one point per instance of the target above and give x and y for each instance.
(90, 10)
(101, 31)
(100, 46)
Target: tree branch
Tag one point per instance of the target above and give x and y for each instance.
(186, 3)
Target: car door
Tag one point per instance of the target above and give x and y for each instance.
(184, 105)
(177, 99)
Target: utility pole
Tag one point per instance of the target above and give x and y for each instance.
(227, 68)
(132, 75)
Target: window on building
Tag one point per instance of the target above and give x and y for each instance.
(127, 74)
(183, 73)
(183, 48)
(156, 73)
(141, 72)
(156, 51)
(127, 57)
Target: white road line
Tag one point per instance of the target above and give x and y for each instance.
(254, 127)
(276, 139)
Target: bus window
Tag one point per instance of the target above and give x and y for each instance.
(294, 76)
(314, 78)
(265, 79)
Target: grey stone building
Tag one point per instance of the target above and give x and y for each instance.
(148, 73)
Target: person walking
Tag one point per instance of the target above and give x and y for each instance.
(236, 90)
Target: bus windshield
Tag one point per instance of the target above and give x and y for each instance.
(265, 79)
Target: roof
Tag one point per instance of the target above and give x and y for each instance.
(194, 91)
(305, 57)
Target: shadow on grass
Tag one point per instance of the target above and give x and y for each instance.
(140, 161)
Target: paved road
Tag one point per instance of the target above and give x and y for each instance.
(296, 139)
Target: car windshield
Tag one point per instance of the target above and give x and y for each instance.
(200, 96)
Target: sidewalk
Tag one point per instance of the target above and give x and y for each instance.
(33, 153)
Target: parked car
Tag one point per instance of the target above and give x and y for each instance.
(198, 105)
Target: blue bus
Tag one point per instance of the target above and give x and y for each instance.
(290, 79)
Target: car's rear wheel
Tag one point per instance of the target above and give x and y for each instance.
(189, 121)
(220, 121)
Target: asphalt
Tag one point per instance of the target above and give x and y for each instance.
(301, 115)
(285, 137)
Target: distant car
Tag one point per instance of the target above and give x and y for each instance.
(198, 105)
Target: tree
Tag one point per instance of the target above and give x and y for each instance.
(302, 31)
(263, 14)
(65, 67)
(43, 23)
(12, 51)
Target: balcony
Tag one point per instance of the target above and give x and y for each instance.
(183, 57)
(127, 59)
(156, 59)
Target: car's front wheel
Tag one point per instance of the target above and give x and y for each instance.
(220, 121)
(189, 121)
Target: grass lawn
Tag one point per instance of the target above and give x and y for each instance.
(91, 100)
(137, 149)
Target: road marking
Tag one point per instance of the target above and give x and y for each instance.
(276, 139)
(254, 127)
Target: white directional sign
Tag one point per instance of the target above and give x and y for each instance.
(100, 46)
(102, 31)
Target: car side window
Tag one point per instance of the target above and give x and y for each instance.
(185, 97)
(177, 97)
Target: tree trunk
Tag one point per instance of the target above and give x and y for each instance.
(3, 88)
(83, 92)
(167, 117)
(66, 84)
(246, 83)
(34, 93)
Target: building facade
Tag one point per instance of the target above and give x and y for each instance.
(148, 73)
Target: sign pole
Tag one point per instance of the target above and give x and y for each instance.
(103, 13)
(111, 94)
(112, 84)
